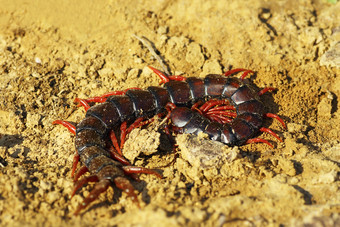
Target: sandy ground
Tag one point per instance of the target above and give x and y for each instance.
(54, 51)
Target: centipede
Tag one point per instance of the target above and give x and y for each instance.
(226, 108)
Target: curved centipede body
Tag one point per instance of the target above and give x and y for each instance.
(225, 108)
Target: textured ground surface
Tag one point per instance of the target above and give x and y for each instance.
(51, 53)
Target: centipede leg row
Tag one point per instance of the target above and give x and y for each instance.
(225, 108)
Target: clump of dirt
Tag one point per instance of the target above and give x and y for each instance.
(51, 53)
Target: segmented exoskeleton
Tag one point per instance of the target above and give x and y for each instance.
(225, 108)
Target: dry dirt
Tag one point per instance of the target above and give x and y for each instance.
(54, 51)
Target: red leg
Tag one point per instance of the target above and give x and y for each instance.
(196, 105)
(219, 118)
(102, 98)
(80, 173)
(123, 127)
(230, 72)
(259, 140)
(139, 123)
(267, 130)
(178, 78)
(167, 130)
(161, 75)
(207, 105)
(122, 160)
(136, 169)
(125, 131)
(214, 112)
(118, 157)
(264, 90)
(115, 142)
(245, 74)
(169, 107)
(136, 124)
(99, 188)
(75, 163)
(215, 118)
(66, 124)
(226, 119)
(223, 113)
(125, 185)
(82, 102)
(218, 113)
(164, 78)
(83, 181)
(218, 108)
(197, 110)
(271, 115)
(123, 134)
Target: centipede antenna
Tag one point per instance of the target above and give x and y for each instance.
(151, 47)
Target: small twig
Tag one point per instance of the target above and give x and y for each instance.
(151, 47)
